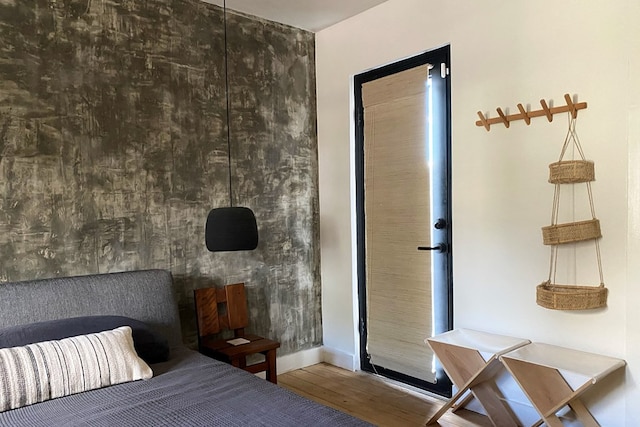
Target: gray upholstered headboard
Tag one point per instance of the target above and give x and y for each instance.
(146, 295)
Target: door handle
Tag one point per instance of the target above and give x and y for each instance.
(442, 247)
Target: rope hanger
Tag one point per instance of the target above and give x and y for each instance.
(546, 111)
(571, 138)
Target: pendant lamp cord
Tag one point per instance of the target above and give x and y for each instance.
(226, 85)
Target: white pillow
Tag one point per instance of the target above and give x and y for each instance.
(46, 370)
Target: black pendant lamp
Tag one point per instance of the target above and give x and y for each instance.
(232, 228)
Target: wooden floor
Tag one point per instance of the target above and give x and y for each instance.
(372, 398)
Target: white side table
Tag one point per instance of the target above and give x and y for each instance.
(553, 377)
(470, 359)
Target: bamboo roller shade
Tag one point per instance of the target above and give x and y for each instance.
(397, 210)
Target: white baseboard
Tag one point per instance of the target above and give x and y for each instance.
(299, 360)
(304, 358)
(339, 358)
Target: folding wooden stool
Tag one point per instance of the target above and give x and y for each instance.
(470, 359)
(553, 377)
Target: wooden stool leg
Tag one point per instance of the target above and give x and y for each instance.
(272, 375)
(553, 421)
(498, 413)
(462, 403)
(583, 413)
(444, 408)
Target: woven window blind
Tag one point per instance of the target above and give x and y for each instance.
(397, 220)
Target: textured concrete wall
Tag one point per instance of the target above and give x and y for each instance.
(113, 149)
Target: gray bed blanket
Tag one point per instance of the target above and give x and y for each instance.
(189, 390)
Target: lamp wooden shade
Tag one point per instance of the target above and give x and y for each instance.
(231, 229)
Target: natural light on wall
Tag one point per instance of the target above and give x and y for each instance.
(430, 147)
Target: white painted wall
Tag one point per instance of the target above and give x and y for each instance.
(503, 53)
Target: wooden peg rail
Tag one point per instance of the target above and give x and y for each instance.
(546, 111)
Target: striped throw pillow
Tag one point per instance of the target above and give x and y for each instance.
(46, 370)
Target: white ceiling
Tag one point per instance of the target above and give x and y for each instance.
(311, 15)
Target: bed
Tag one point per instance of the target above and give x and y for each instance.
(186, 389)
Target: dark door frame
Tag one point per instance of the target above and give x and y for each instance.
(445, 297)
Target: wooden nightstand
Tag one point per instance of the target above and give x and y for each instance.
(234, 316)
(237, 354)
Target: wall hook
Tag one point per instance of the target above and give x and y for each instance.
(483, 121)
(546, 110)
(524, 114)
(572, 108)
(503, 117)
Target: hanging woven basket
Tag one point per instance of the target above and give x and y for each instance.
(571, 172)
(571, 232)
(570, 297)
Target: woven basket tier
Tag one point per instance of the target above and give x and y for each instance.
(571, 232)
(570, 297)
(571, 172)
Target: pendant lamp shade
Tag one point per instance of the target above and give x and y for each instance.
(231, 229)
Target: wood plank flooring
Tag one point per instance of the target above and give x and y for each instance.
(372, 398)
